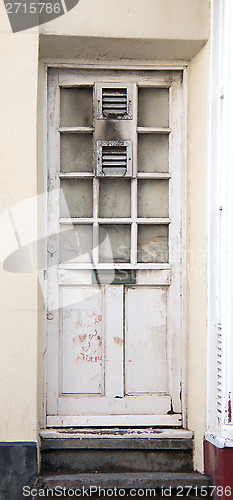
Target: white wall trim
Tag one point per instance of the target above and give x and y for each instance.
(222, 438)
(220, 238)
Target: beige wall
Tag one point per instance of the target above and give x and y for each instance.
(18, 303)
(159, 19)
(159, 23)
(197, 220)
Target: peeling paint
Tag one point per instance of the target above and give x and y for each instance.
(229, 408)
(118, 341)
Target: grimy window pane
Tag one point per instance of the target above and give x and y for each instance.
(76, 153)
(153, 198)
(114, 198)
(152, 153)
(153, 107)
(76, 107)
(115, 243)
(78, 197)
(152, 243)
(75, 243)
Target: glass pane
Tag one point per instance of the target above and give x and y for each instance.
(152, 153)
(76, 153)
(153, 198)
(76, 243)
(76, 107)
(114, 198)
(152, 243)
(78, 198)
(153, 107)
(115, 243)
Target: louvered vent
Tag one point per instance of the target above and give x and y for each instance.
(114, 158)
(114, 102)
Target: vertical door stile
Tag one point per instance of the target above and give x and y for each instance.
(134, 180)
(95, 251)
(114, 341)
(53, 327)
(175, 248)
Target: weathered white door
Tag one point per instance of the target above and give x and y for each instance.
(114, 248)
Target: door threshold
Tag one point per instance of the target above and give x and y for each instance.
(124, 420)
(112, 433)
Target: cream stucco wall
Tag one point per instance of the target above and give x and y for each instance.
(18, 304)
(160, 31)
(197, 219)
(160, 19)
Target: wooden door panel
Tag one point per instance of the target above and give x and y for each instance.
(146, 340)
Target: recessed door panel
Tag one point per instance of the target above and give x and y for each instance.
(82, 341)
(146, 340)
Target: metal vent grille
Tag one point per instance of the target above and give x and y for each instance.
(114, 102)
(114, 158)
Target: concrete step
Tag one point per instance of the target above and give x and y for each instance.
(117, 450)
(124, 480)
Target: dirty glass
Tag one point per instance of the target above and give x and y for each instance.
(114, 198)
(114, 243)
(78, 198)
(153, 107)
(153, 198)
(76, 153)
(76, 107)
(152, 153)
(75, 243)
(152, 243)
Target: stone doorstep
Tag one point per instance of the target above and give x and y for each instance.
(123, 480)
(52, 439)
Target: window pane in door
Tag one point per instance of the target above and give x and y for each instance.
(76, 153)
(153, 198)
(76, 243)
(78, 198)
(114, 198)
(114, 243)
(153, 107)
(152, 153)
(76, 107)
(152, 243)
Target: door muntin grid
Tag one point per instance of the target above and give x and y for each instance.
(129, 216)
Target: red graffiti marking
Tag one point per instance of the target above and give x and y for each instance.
(89, 359)
(79, 323)
(82, 324)
(82, 338)
(88, 347)
(91, 336)
(98, 319)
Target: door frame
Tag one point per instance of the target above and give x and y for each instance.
(138, 67)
